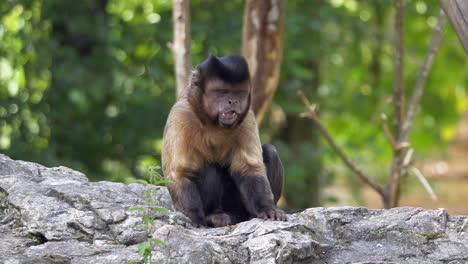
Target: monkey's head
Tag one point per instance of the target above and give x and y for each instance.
(220, 90)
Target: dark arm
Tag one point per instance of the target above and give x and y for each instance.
(186, 198)
(257, 197)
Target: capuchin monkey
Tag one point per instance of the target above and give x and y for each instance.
(219, 172)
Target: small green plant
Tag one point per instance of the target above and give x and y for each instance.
(436, 235)
(145, 250)
(17, 224)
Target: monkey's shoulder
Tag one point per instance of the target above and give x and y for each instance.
(182, 117)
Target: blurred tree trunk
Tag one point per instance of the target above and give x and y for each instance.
(181, 43)
(262, 47)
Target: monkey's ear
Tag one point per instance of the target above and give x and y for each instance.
(196, 78)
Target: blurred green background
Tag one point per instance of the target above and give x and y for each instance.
(88, 84)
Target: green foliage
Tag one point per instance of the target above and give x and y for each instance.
(340, 53)
(88, 84)
(145, 250)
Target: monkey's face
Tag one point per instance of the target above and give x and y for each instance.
(226, 103)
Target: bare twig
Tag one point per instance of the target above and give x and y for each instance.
(425, 183)
(387, 131)
(408, 157)
(422, 77)
(393, 188)
(398, 94)
(311, 114)
(402, 158)
(398, 102)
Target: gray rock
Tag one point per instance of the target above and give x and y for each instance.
(54, 215)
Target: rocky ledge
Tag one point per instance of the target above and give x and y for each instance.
(55, 215)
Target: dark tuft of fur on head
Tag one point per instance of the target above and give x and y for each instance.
(231, 68)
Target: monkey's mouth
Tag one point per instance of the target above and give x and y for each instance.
(228, 118)
(229, 114)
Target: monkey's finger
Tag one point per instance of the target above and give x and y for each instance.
(273, 215)
(277, 216)
(280, 215)
(283, 217)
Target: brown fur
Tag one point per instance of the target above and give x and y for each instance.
(189, 144)
(212, 127)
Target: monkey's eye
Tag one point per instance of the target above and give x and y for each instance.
(242, 93)
(221, 91)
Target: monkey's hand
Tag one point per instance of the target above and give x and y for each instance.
(219, 219)
(273, 213)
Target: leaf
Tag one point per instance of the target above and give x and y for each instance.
(142, 247)
(157, 209)
(158, 241)
(161, 182)
(135, 209)
(131, 262)
(141, 181)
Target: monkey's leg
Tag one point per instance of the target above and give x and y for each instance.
(275, 170)
(186, 198)
(211, 183)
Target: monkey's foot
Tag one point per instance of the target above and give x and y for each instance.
(273, 213)
(219, 219)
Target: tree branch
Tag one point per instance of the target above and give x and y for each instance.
(311, 114)
(425, 183)
(387, 131)
(394, 186)
(398, 94)
(392, 189)
(422, 77)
